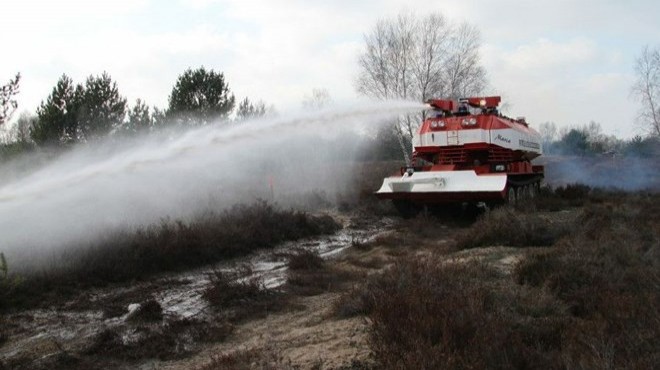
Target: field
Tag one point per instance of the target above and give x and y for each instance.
(569, 280)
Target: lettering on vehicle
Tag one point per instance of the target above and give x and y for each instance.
(529, 144)
(502, 138)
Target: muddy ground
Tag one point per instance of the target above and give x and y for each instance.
(298, 329)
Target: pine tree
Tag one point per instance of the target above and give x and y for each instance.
(57, 116)
(246, 110)
(199, 97)
(102, 109)
(139, 118)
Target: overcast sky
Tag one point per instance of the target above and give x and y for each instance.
(569, 62)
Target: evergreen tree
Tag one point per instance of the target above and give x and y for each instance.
(200, 96)
(57, 116)
(139, 118)
(247, 110)
(102, 109)
(158, 117)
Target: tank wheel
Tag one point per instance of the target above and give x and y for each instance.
(533, 190)
(406, 208)
(520, 194)
(529, 190)
(511, 195)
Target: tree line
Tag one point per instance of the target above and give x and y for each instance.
(589, 140)
(404, 57)
(84, 112)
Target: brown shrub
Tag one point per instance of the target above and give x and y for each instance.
(239, 299)
(225, 291)
(510, 227)
(574, 192)
(358, 301)
(563, 197)
(314, 282)
(427, 315)
(309, 275)
(305, 259)
(607, 273)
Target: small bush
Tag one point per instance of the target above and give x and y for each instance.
(427, 315)
(225, 292)
(509, 227)
(607, 273)
(309, 275)
(305, 259)
(578, 192)
(239, 299)
(563, 197)
(358, 301)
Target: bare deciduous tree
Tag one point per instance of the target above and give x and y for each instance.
(23, 126)
(647, 89)
(319, 99)
(8, 104)
(419, 58)
(548, 131)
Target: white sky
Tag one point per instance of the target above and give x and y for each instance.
(564, 61)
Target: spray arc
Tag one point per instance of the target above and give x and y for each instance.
(465, 151)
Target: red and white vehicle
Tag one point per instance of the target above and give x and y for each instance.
(466, 152)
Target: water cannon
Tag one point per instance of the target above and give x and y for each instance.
(487, 102)
(442, 104)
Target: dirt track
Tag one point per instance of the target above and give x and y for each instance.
(303, 334)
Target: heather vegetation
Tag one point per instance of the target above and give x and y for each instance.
(586, 299)
(169, 246)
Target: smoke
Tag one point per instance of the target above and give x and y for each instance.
(624, 173)
(135, 182)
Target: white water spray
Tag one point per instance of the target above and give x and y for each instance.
(93, 190)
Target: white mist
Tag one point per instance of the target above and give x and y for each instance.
(117, 185)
